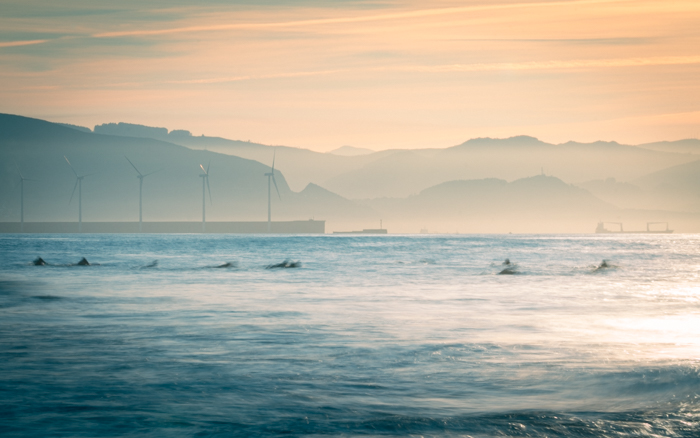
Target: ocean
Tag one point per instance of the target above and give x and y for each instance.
(415, 335)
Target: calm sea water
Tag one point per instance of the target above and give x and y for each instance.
(371, 336)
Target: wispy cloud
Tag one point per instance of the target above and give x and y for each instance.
(549, 65)
(252, 77)
(422, 13)
(465, 68)
(624, 41)
(21, 43)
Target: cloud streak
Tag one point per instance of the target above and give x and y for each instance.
(554, 65)
(21, 43)
(422, 13)
(467, 68)
(247, 78)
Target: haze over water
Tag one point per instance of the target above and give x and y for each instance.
(372, 336)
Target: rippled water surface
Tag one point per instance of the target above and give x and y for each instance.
(371, 336)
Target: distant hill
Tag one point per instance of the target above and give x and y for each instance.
(404, 172)
(687, 146)
(300, 166)
(624, 195)
(682, 178)
(350, 151)
(174, 192)
(79, 128)
(540, 194)
(132, 130)
(534, 204)
(676, 187)
(400, 173)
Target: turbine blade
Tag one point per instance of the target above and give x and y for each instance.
(132, 165)
(20, 172)
(203, 169)
(151, 173)
(273, 160)
(278, 190)
(71, 166)
(209, 188)
(89, 174)
(74, 187)
(208, 165)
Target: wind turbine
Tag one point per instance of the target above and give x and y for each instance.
(205, 178)
(79, 185)
(140, 177)
(22, 179)
(271, 176)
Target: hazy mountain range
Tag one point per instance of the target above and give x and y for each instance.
(400, 173)
(110, 192)
(461, 188)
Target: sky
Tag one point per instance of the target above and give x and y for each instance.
(370, 74)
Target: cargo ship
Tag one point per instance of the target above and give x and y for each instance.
(601, 229)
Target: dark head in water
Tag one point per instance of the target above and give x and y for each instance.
(83, 262)
(226, 265)
(39, 262)
(285, 264)
(604, 265)
(506, 262)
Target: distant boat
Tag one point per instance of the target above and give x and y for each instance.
(601, 229)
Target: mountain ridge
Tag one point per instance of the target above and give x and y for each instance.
(364, 176)
(414, 183)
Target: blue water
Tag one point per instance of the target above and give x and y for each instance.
(371, 336)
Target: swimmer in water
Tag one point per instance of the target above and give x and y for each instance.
(603, 265)
(84, 262)
(285, 264)
(510, 270)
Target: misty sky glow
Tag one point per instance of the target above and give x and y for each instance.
(385, 74)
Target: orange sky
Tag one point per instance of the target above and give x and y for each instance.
(380, 75)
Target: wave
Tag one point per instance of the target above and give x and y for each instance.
(522, 424)
(153, 264)
(653, 383)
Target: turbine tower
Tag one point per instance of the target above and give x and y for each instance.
(271, 176)
(79, 185)
(205, 179)
(22, 179)
(140, 177)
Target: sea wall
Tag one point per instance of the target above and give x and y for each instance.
(278, 227)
